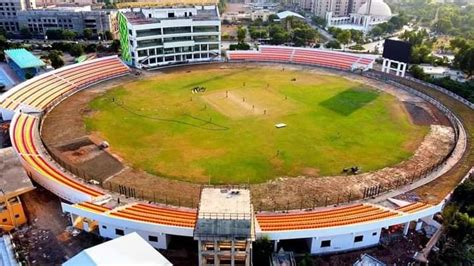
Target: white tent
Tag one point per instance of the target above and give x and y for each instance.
(130, 249)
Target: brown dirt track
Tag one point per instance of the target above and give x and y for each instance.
(435, 191)
(65, 123)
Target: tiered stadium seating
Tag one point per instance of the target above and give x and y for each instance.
(41, 92)
(326, 58)
(25, 133)
(158, 215)
(322, 219)
(414, 207)
(323, 58)
(93, 207)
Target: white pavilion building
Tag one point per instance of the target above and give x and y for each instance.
(370, 14)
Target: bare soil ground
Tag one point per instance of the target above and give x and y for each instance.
(44, 240)
(65, 123)
(436, 190)
(86, 155)
(399, 252)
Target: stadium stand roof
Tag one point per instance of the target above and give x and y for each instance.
(130, 249)
(23, 58)
(13, 178)
(285, 14)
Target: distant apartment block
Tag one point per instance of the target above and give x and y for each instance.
(18, 14)
(77, 19)
(337, 7)
(9, 13)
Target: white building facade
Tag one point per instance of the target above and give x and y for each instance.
(368, 15)
(164, 36)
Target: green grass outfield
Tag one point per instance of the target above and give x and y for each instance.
(227, 134)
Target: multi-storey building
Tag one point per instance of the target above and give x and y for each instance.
(9, 13)
(337, 7)
(161, 36)
(77, 19)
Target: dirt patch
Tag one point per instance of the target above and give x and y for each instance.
(418, 114)
(424, 114)
(310, 172)
(87, 157)
(232, 105)
(44, 240)
(156, 189)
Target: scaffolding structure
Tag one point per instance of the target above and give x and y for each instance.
(225, 228)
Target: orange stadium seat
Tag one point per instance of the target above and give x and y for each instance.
(414, 207)
(301, 56)
(319, 219)
(43, 91)
(93, 207)
(25, 128)
(159, 215)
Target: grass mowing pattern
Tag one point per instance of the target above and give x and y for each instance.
(160, 126)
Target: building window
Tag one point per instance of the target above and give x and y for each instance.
(119, 232)
(358, 239)
(4, 220)
(325, 243)
(104, 227)
(153, 238)
(17, 216)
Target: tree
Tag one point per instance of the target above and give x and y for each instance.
(278, 34)
(54, 34)
(443, 25)
(258, 33)
(76, 50)
(344, 37)
(68, 35)
(464, 196)
(241, 33)
(320, 21)
(357, 36)
(3, 42)
(91, 48)
(222, 5)
(239, 46)
(417, 72)
(459, 43)
(25, 33)
(115, 46)
(333, 45)
(376, 31)
(301, 36)
(28, 75)
(272, 17)
(108, 35)
(54, 57)
(464, 59)
(87, 33)
(262, 249)
(421, 54)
